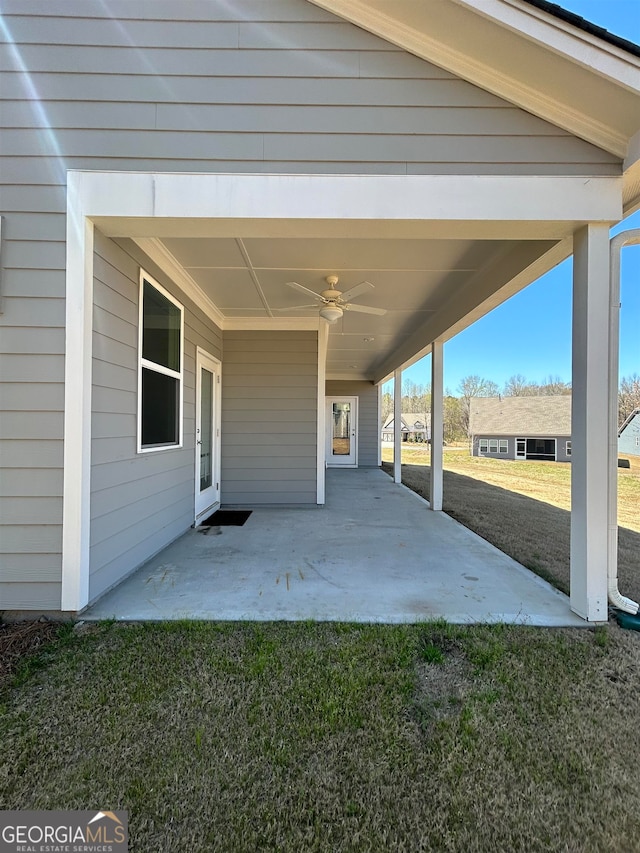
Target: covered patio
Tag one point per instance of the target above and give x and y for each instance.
(373, 553)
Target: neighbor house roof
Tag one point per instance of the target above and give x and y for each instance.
(629, 420)
(520, 415)
(409, 420)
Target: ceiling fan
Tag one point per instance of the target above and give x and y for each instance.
(333, 303)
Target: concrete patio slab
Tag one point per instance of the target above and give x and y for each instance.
(373, 553)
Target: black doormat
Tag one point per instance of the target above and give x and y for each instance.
(236, 517)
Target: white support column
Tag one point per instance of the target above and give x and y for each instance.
(590, 422)
(379, 422)
(437, 425)
(397, 426)
(321, 465)
(77, 406)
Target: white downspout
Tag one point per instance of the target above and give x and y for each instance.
(626, 238)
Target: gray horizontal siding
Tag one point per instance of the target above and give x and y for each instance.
(269, 418)
(139, 502)
(169, 10)
(368, 418)
(30, 595)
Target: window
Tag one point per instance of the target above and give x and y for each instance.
(493, 445)
(521, 448)
(484, 445)
(160, 342)
(504, 445)
(638, 441)
(568, 448)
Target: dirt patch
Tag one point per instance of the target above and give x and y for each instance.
(19, 640)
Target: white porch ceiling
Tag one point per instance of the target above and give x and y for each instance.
(245, 279)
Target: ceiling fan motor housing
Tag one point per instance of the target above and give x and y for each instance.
(331, 295)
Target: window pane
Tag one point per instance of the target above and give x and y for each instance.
(159, 408)
(161, 329)
(206, 429)
(341, 444)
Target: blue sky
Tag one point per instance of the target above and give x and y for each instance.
(530, 334)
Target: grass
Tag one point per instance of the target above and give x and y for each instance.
(523, 508)
(328, 737)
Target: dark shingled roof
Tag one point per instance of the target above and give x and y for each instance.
(586, 26)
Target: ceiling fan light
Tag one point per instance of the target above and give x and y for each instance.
(331, 313)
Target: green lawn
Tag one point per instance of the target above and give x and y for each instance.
(301, 737)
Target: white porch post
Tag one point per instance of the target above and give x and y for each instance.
(590, 422)
(397, 426)
(76, 501)
(379, 421)
(321, 453)
(437, 425)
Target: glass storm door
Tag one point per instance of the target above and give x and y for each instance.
(342, 438)
(207, 434)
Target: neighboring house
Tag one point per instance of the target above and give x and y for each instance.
(415, 426)
(629, 435)
(169, 168)
(533, 428)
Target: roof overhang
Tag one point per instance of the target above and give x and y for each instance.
(535, 60)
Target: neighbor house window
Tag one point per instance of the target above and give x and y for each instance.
(160, 344)
(521, 448)
(493, 445)
(484, 445)
(504, 445)
(568, 449)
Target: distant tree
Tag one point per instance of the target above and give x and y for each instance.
(474, 386)
(415, 398)
(387, 405)
(553, 386)
(628, 396)
(518, 386)
(454, 419)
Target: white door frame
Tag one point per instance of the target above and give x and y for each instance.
(214, 366)
(353, 456)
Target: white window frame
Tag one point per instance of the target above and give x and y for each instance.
(521, 454)
(567, 448)
(483, 445)
(158, 368)
(503, 445)
(492, 448)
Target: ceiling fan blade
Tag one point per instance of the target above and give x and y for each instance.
(304, 289)
(365, 309)
(356, 290)
(297, 307)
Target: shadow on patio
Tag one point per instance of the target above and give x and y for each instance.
(374, 553)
